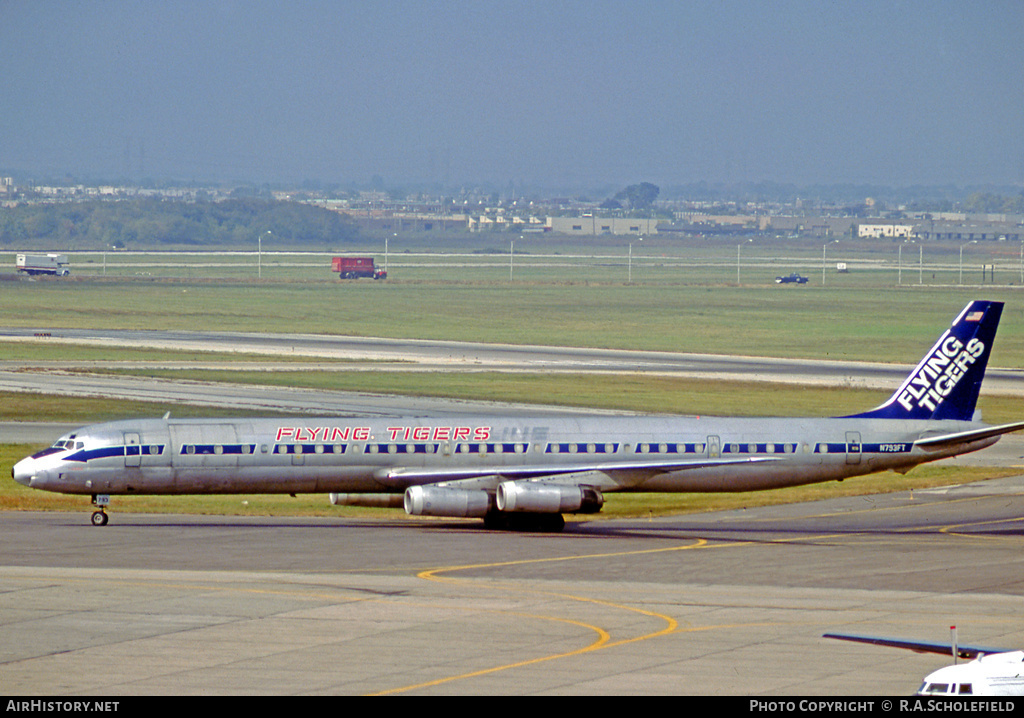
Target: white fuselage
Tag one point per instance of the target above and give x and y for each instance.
(361, 455)
(998, 674)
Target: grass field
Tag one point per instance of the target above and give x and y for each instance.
(652, 394)
(678, 300)
(868, 324)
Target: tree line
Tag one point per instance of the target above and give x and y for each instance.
(156, 222)
(993, 203)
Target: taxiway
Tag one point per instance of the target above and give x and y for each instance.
(383, 354)
(730, 603)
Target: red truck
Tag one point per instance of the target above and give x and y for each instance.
(356, 267)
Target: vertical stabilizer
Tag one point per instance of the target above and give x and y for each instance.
(945, 385)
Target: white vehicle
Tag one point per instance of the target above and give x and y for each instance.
(55, 264)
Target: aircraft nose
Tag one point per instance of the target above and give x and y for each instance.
(22, 472)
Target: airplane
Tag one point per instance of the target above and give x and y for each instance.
(993, 672)
(525, 473)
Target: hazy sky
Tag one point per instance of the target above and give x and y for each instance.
(545, 93)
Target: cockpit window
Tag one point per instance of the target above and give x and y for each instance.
(60, 445)
(934, 689)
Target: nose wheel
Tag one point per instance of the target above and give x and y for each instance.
(99, 517)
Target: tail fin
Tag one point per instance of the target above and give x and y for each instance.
(945, 385)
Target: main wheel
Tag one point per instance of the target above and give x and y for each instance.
(551, 523)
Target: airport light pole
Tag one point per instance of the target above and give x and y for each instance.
(834, 241)
(738, 260)
(511, 256)
(899, 280)
(960, 281)
(630, 271)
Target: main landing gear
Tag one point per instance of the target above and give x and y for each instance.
(502, 521)
(101, 501)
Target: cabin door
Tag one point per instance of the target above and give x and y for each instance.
(714, 447)
(853, 447)
(132, 449)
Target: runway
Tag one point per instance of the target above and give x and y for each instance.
(729, 603)
(383, 354)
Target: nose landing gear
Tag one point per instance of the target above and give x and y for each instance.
(99, 517)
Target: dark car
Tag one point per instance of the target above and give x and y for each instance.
(793, 278)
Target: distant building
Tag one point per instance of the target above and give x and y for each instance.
(809, 226)
(970, 230)
(877, 231)
(592, 225)
(953, 227)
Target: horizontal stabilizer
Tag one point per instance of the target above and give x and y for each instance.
(963, 437)
(945, 649)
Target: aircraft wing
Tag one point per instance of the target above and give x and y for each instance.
(945, 649)
(962, 437)
(573, 473)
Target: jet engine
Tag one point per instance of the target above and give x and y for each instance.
(436, 501)
(381, 501)
(548, 498)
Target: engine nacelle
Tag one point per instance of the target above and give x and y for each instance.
(548, 498)
(380, 501)
(435, 501)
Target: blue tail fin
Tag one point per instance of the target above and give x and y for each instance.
(945, 385)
